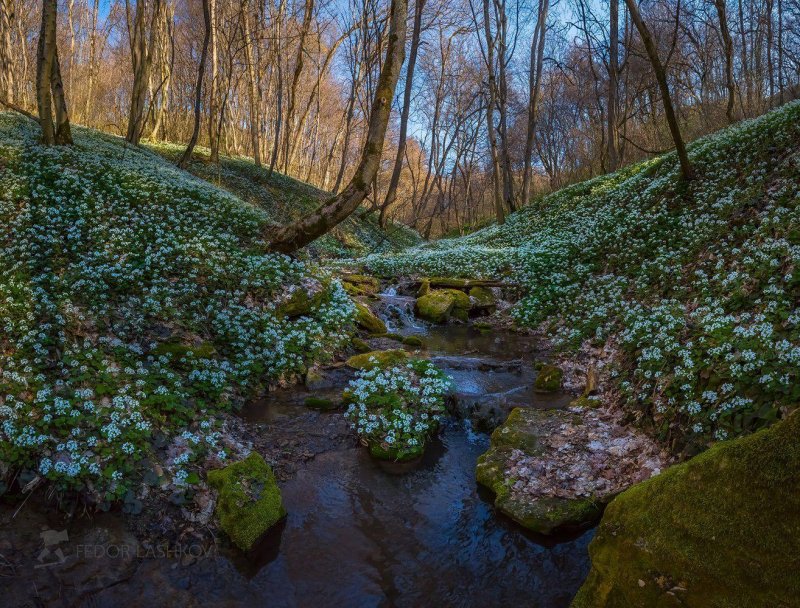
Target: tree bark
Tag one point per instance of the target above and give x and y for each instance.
(687, 173)
(49, 88)
(500, 211)
(252, 88)
(534, 87)
(338, 208)
(612, 142)
(198, 91)
(213, 110)
(727, 44)
(391, 192)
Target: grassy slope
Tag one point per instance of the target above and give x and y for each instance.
(136, 304)
(697, 284)
(285, 199)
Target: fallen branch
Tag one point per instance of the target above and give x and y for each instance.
(16, 108)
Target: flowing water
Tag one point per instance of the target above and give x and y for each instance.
(357, 534)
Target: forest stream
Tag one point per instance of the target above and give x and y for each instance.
(358, 532)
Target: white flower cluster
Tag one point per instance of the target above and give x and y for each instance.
(398, 406)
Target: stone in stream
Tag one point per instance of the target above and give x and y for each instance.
(719, 530)
(439, 305)
(249, 501)
(555, 470)
(549, 379)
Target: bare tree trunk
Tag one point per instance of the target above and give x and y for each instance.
(6, 51)
(63, 134)
(687, 172)
(728, 48)
(213, 110)
(612, 142)
(141, 59)
(391, 192)
(534, 86)
(289, 130)
(252, 85)
(198, 91)
(278, 89)
(351, 106)
(491, 96)
(45, 57)
(338, 208)
(92, 62)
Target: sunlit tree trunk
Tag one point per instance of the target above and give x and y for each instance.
(198, 91)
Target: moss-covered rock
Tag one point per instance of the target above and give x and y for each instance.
(721, 530)
(365, 283)
(320, 403)
(435, 306)
(367, 320)
(383, 451)
(414, 341)
(360, 345)
(482, 298)
(548, 379)
(377, 358)
(524, 430)
(249, 501)
(424, 288)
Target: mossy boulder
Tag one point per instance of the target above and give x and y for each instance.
(367, 320)
(721, 530)
(377, 358)
(435, 306)
(549, 378)
(482, 298)
(524, 430)
(249, 501)
(365, 283)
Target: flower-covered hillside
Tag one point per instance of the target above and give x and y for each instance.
(285, 199)
(136, 303)
(698, 284)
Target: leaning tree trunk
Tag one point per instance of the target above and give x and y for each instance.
(687, 173)
(198, 91)
(338, 208)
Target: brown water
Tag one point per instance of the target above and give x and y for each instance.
(356, 535)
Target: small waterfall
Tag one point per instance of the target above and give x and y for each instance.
(398, 312)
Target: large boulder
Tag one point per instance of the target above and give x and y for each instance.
(249, 501)
(482, 298)
(554, 470)
(439, 305)
(720, 530)
(435, 306)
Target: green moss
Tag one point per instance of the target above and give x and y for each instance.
(319, 403)
(435, 306)
(178, 350)
(720, 531)
(394, 336)
(249, 501)
(424, 288)
(300, 303)
(360, 345)
(365, 282)
(382, 358)
(548, 379)
(461, 300)
(482, 297)
(367, 320)
(586, 402)
(414, 341)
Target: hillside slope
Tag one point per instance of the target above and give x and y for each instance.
(137, 303)
(694, 286)
(285, 199)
